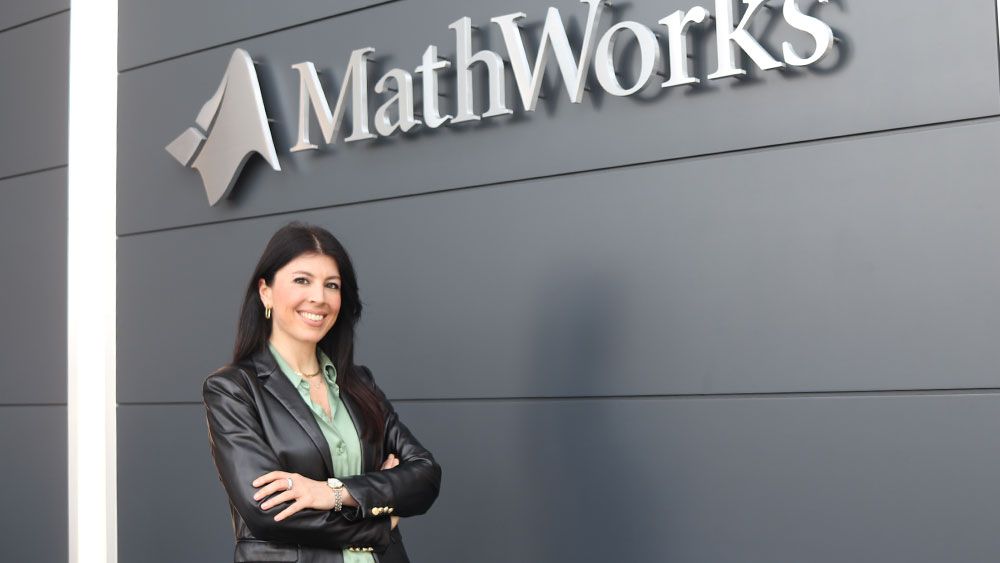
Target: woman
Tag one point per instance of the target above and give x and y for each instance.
(316, 463)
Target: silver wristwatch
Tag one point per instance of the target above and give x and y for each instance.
(338, 491)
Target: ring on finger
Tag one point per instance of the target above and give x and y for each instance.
(290, 483)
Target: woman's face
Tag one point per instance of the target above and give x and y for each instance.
(305, 298)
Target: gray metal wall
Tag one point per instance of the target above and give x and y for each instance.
(752, 322)
(34, 66)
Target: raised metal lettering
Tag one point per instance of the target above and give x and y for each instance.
(429, 68)
(820, 31)
(402, 99)
(311, 95)
(677, 25)
(495, 70)
(573, 69)
(604, 59)
(729, 38)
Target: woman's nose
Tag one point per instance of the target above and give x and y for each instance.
(316, 293)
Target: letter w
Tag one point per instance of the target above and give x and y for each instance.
(574, 72)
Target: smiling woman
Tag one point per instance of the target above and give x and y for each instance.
(305, 298)
(316, 463)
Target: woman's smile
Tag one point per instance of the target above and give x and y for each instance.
(313, 319)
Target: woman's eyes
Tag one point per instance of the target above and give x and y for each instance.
(305, 281)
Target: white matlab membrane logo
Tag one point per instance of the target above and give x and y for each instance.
(232, 126)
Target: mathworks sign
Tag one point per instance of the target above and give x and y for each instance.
(233, 124)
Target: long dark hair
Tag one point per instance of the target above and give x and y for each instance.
(253, 330)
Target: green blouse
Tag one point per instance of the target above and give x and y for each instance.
(339, 430)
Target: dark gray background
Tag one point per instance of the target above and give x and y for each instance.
(15, 14)
(34, 77)
(156, 31)
(35, 58)
(754, 322)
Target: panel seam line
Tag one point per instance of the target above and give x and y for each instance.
(35, 20)
(254, 36)
(680, 396)
(30, 172)
(581, 172)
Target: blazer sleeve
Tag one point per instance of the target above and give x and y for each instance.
(242, 454)
(410, 488)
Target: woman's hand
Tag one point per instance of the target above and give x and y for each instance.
(390, 462)
(304, 493)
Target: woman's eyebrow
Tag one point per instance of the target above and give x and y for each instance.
(310, 274)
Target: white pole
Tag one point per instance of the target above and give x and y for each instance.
(93, 95)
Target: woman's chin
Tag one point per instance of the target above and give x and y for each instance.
(312, 335)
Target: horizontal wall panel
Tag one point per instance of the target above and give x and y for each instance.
(884, 59)
(149, 30)
(17, 12)
(35, 90)
(846, 265)
(33, 300)
(882, 479)
(33, 526)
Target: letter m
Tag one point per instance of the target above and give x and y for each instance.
(311, 95)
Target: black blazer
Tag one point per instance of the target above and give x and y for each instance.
(258, 422)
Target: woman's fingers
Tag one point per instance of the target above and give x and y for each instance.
(278, 499)
(295, 507)
(390, 462)
(268, 490)
(273, 482)
(268, 477)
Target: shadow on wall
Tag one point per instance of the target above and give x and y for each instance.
(576, 461)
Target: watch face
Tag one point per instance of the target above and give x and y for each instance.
(334, 483)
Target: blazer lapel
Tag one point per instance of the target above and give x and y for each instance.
(279, 386)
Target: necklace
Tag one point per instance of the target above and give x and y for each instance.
(308, 375)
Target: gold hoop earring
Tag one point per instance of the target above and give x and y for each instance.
(267, 312)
